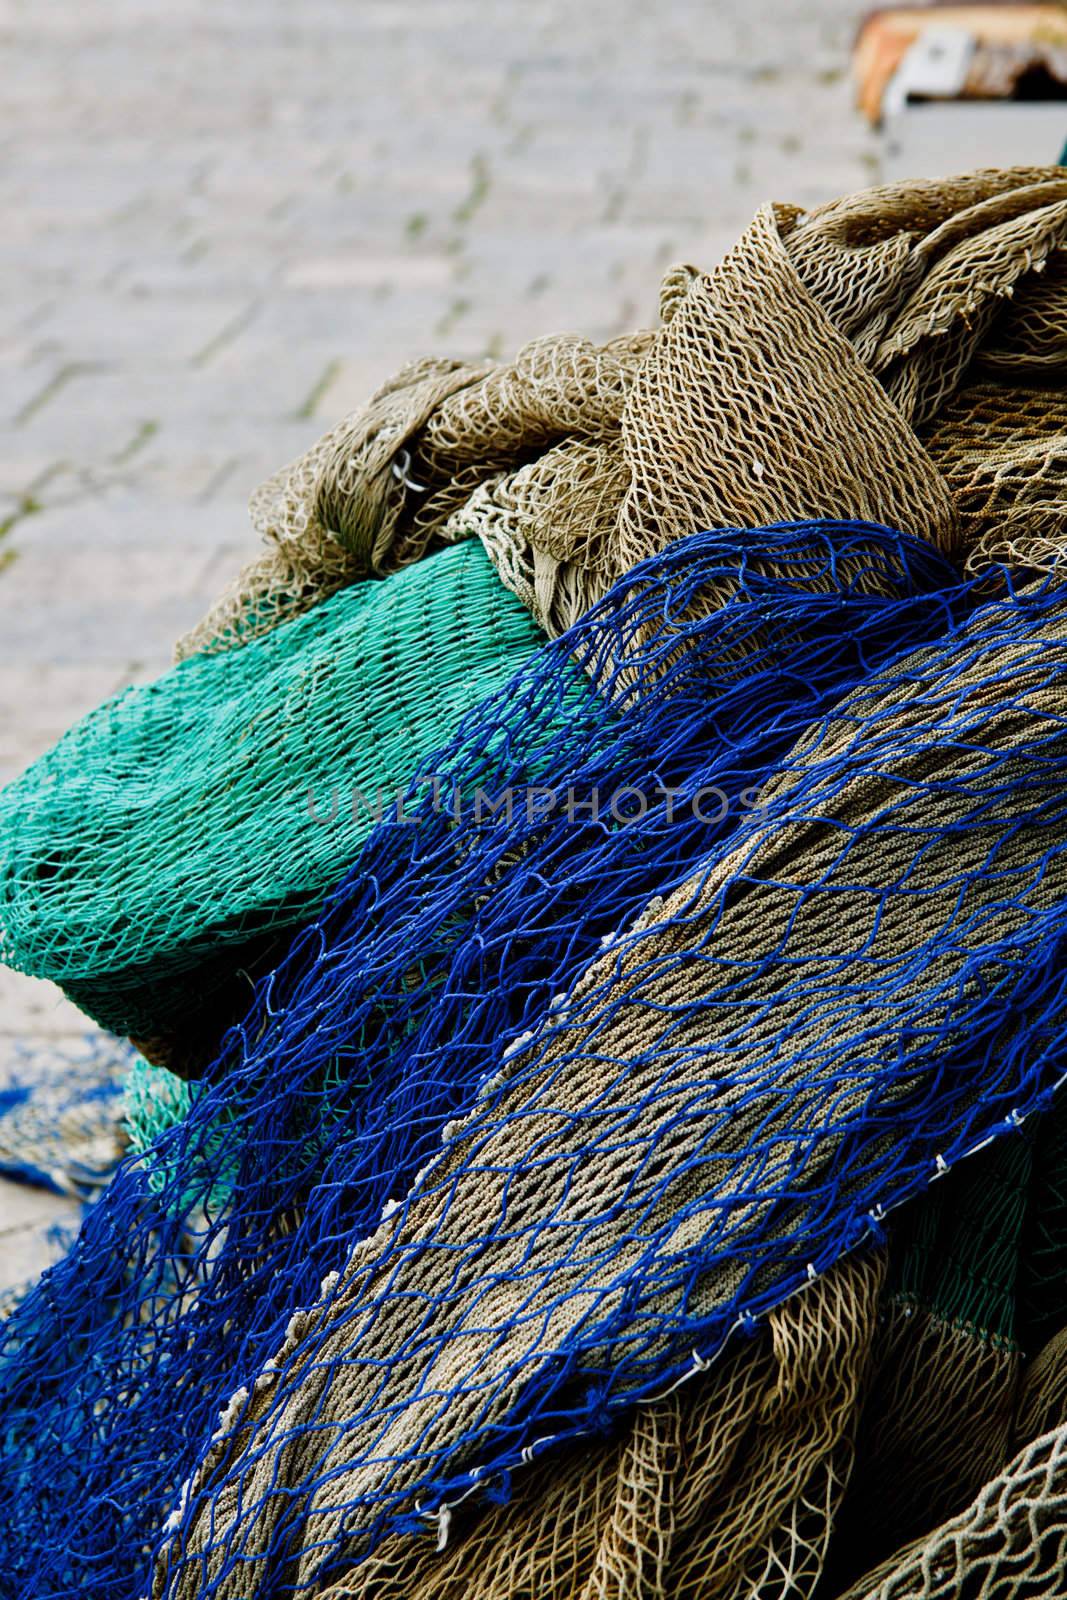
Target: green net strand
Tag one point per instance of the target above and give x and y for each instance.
(1042, 1286)
(153, 1099)
(957, 1255)
(986, 1250)
(159, 852)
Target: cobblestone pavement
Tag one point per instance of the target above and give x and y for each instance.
(227, 220)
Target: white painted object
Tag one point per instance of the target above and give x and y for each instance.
(935, 67)
(937, 140)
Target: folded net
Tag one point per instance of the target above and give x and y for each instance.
(169, 843)
(450, 938)
(868, 1410)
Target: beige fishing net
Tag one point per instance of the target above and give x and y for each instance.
(923, 826)
(1003, 454)
(800, 377)
(1009, 1544)
(727, 1487)
(860, 1418)
(852, 1422)
(937, 1423)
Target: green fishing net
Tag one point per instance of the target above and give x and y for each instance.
(976, 1290)
(154, 859)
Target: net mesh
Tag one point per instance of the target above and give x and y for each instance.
(154, 1099)
(721, 1489)
(853, 1422)
(1011, 1540)
(451, 938)
(733, 921)
(157, 856)
(853, 991)
(773, 569)
(1003, 454)
(851, 327)
(837, 989)
(939, 1413)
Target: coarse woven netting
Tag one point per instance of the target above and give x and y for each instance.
(726, 1487)
(854, 990)
(851, 1422)
(166, 846)
(968, 1361)
(848, 975)
(447, 940)
(812, 373)
(1003, 454)
(1010, 1541)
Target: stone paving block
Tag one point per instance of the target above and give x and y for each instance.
(101, 629)
(25, 1205)
(134, 576)
(124, 518)
(106, 329)
(35, 1227)
(32, 1008)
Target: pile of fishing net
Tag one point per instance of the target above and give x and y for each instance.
(643, 1169)
(618, 1087)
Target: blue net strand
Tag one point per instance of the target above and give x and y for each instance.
(706, 1128)
(472, 979)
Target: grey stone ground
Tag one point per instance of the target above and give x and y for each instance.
(225, 221)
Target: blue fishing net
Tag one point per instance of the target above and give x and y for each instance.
(650, 1136)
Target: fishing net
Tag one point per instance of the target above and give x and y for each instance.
(154, 1099)
(772, 569)
(458, 929)
(1003, 454)
(158, 854)
(960, 1363)
(351, 507)
(854, 990)
(728, 1486)
(1011, 1540)
(61, 1122)
(806, 1451)
(794, 379)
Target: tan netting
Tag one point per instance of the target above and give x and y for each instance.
(835, 364)
(937, 1423)
(1009, 1544)
(727, 1487)
(1043, 1392)
(735, 1484)
(711, 432)
(1030, 332)
(789, 381)
(1003, 454)
(360, 1339)
(376, 492)
(956, 1422)
(329, 518)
